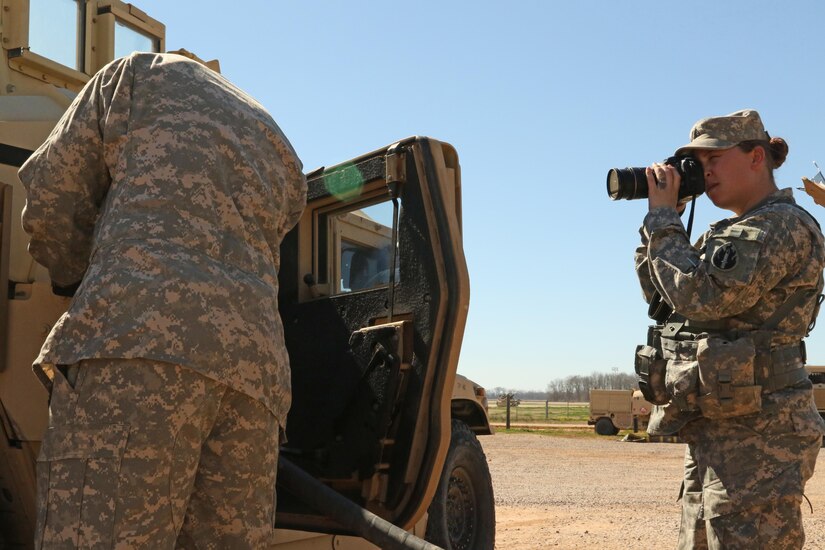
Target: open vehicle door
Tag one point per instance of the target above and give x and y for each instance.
(374, 296)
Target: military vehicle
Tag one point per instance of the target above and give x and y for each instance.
(817, 377)
(614, 410)
(374, 296)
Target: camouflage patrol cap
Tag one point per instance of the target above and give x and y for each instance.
(724, 132)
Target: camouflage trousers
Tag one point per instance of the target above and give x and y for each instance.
(745, 476)
(145, 454)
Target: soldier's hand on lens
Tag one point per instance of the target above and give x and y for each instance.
(663, 183)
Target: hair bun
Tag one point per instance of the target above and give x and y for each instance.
(779, 151)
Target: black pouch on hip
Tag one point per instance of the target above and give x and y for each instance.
(650, 371)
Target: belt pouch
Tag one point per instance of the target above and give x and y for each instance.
(650, 369)
(682, 383)
(726, 377)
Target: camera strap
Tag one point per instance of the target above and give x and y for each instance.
(690, 217)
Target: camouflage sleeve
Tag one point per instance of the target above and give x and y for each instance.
(668, 220)
(290, 173)
(66, 178)
(296, 202)
(736, 266)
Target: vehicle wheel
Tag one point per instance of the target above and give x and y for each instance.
(462, 514)
(604, 426)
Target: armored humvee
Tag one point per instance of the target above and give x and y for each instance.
(374, 296)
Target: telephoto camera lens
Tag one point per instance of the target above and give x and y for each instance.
(631, 183)
(627, 183)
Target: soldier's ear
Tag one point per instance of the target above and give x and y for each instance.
(757, 156)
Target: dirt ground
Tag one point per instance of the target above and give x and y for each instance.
(604, 494)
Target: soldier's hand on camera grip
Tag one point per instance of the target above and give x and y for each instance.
(663, 183)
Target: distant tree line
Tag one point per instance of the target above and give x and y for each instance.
(572, 388)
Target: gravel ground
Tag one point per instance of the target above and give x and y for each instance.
(568, 493)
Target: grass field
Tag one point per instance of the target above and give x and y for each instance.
(537, 412)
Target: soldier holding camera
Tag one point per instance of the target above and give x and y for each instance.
(725, 360)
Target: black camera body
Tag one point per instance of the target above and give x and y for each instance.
(631, 183)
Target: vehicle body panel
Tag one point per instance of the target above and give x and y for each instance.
(626, 409)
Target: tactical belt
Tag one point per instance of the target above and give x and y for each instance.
(785, 368)
(683, 329)
(770, 369)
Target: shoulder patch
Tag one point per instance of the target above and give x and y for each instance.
(725, 257)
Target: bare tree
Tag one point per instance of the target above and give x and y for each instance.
(577, 387)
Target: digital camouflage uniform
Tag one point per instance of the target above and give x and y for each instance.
(167, 191)
(744, 474)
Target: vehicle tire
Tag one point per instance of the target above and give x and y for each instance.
(604, 426)
(462, 514)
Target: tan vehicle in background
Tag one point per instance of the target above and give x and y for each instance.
(374, 294)
(817, 376)
(614, 410)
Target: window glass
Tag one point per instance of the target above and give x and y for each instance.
(129, 39)
(54, 30)
(363, 246)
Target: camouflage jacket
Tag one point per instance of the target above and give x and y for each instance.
(167, 191)
(741, 270)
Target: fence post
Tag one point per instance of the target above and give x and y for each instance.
(508, 410)
(547, 410)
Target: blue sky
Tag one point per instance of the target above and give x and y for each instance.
(540, 99)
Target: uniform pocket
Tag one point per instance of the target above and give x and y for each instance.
(682, 383)
(77, 482)
(726, 378)
(808, 426)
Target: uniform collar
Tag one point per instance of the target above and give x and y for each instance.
(781, 196)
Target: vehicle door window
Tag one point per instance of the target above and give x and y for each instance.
(362, 247)
(55, 30)
(129, 39)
